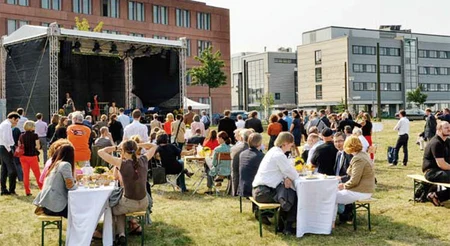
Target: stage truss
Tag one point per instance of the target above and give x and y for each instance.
(54, 33)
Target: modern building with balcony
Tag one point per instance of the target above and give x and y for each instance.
(330, 55)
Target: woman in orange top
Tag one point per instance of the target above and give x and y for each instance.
(211, 141)
(168, 125)
(273, 129)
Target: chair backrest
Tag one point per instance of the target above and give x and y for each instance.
(225, 156)
(190, 146)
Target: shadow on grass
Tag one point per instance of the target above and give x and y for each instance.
(160, 233)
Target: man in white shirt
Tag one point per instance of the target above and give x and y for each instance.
(41, 131)
(22, 119)
(6, 154)
(240, 123)
(136, 128)
(122, 118)
(403, 130)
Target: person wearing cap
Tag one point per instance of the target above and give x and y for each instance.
(325, 155)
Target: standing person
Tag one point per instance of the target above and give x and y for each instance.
(115, 127)
(283, 123)
(69, 107)
(402, 128)
(287, 118)
(254, 122)
(96, 111)
(29, 160)
(315, 120)
(168, 125)
(297, 128)
(445, 116)
(429, 129)
(88, 109)
(189, 116)
(123, 119)
(347, 121)
(324, 118)
(103, 122)
(52, 127)
(79, 135)
(197, 125)
(41, 131)
(178, 131)
(155, 123)
(240, 123)
(136, 128)
(367, 130)
(435, 163)
(105, 139)
(324, 156)
(273, 129)
(60, 130)
(113, 109)
(227, 125)
(16, 135)
(206, 121)
(6, 154)
(235, 151)
(22, 119)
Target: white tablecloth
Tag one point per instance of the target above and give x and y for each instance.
(316, 201)
(86, 206)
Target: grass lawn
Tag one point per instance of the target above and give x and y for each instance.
(209, 220)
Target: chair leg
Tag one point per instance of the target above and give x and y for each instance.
(240, 204)
(142, 229)
(126, 230)
(368, 216)
(354, 216)
(276, 220)
(42, 233)
(260, 222)
(60, 232)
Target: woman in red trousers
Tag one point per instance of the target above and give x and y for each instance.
(29, 160)
(367, 130)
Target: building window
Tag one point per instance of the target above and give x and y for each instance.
(318, 74)
(364, 50)
(387, 51)
(46, 24)
(136, 34)
(318, 91)
(277, 96)
(364, 86)
(136, 11)
(160, 37)
(284, 60)
(390, 69)
(204, 100)
(110, 8)
(434, 70)
(318, 57)
(364, 68)
(188, 47)
(110, 31)
(255, 77)
(18, 2)
(51, 4)
(82, 6)
(15, 24)
(183, 18)
(203, 21)
(202, 45)
(160, 15)
(188, 78)
(390, 86)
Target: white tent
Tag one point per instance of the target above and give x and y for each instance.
(194, 104)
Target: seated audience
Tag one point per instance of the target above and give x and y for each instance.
(236, 150)
(340, 168)
(52, 153)
(197, 125)
(105, 139)
(211, 141)
(249, 161)
(275, 179)
(361, 184)
(53, 198)
(197, 138)
(219, 169)
(358, 133)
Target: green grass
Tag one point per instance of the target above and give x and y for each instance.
(207, 220)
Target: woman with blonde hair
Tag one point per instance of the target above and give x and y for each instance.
(361, 184)
(168, 124)
(29, 160)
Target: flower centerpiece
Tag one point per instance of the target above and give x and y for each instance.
(299, 163)
(101, 170)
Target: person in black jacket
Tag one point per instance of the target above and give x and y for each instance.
(52, 127)
(254, 122)
(227, 125)
(283, 122)
(346, 121)
(323, 117)
(324, 157)
(249, 161)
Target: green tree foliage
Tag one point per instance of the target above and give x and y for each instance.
(83, 25)
(416, 96)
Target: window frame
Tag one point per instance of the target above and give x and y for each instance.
(133, 11)
(318, 75)
(319, 96)
(182, 18)
(204, 21)
(160, 14)
(318, 57)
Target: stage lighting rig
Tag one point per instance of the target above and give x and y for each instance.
(131, 51)
(97, 48)
(148, 51)
(76, 47)
(113, 49)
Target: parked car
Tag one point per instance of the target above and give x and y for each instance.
(216, 117)
(414, 114)
(235, 113)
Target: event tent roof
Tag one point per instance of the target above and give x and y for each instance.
(194, 104)
(27, 32)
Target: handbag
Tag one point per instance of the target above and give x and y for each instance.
(20, 150)
(390, 154)
(159, 175)
(174, 137)
(115, 196)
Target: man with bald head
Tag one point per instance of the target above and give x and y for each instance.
(436, 165)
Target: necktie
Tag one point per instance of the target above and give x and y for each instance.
(338, 163)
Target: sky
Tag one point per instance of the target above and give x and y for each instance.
(256, 24)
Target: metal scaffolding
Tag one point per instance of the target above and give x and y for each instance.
(53, 36)
(128, 82)
(182, 57)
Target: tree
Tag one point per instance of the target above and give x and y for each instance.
(267, 101)
(416, 96)
(209, 72)
(341, 106)
(83, 25)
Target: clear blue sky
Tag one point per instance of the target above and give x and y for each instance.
(259, 23)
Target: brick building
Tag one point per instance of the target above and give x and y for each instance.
(201, 24)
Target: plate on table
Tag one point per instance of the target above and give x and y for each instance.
(331, 177)
(311, 177)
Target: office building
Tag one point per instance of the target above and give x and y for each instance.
(407, 60)
(258, 74)
(201, 24)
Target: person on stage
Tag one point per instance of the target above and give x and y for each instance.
(88, 109)
(96, 111)
(69, 107)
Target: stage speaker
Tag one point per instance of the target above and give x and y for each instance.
(65, 49)
(173, 65)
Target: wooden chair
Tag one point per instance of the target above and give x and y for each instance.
(47, 220)
(139, 216)
(267, 207)
(225, 156)
(365, 204)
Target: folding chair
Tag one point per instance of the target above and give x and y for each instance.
(225, 156)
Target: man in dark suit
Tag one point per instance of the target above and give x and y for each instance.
(325, 155)
(340, 167)
(227, 125)
(346, 121)
(236, 150)
(283, 123)
(324, 118)
(254, 122)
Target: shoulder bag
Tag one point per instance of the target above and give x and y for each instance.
(20, 150)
